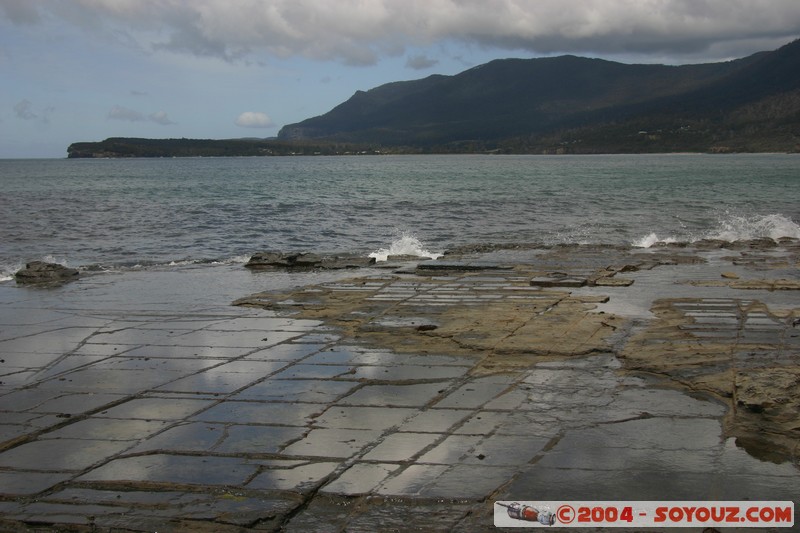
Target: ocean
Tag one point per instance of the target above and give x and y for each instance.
(123, 214)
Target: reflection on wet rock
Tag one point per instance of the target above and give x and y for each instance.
(335, 405)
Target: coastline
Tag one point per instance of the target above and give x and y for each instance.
(430, 388)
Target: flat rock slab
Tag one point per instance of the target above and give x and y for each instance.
(613, 282)
(558, 281)
(328, 407)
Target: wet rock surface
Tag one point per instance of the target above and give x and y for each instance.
(738, 348)
(304, 261)
(40, 272)
(400, 401)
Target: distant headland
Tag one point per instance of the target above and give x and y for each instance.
(136, 147)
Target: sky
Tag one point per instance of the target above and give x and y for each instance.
(85, 70)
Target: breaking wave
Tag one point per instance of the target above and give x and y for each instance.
(739, 228)
(9, 268)
(732, 228)
(406, 244)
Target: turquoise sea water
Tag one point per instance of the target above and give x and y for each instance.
(124, 213)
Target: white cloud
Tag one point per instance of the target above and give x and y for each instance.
(160, 117)
(253, 119)
(123, 113)
(360, 33)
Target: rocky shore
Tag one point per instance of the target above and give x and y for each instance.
(403, 396)
(737, 348)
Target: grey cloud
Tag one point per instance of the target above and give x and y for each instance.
(192, 40)
(131, 115)
(20, 11)
(420, 62)
(360, 33)
(49, 110)
(23, 110)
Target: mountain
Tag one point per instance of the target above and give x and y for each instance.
(572, 104)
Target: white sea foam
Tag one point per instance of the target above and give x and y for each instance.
(7, 270)
(738, 228)
(235, 260)
(649, 240)
(406, 244)
(732, 228)
(179, 263)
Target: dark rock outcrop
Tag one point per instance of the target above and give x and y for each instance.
(304, 261)
(42, 272)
